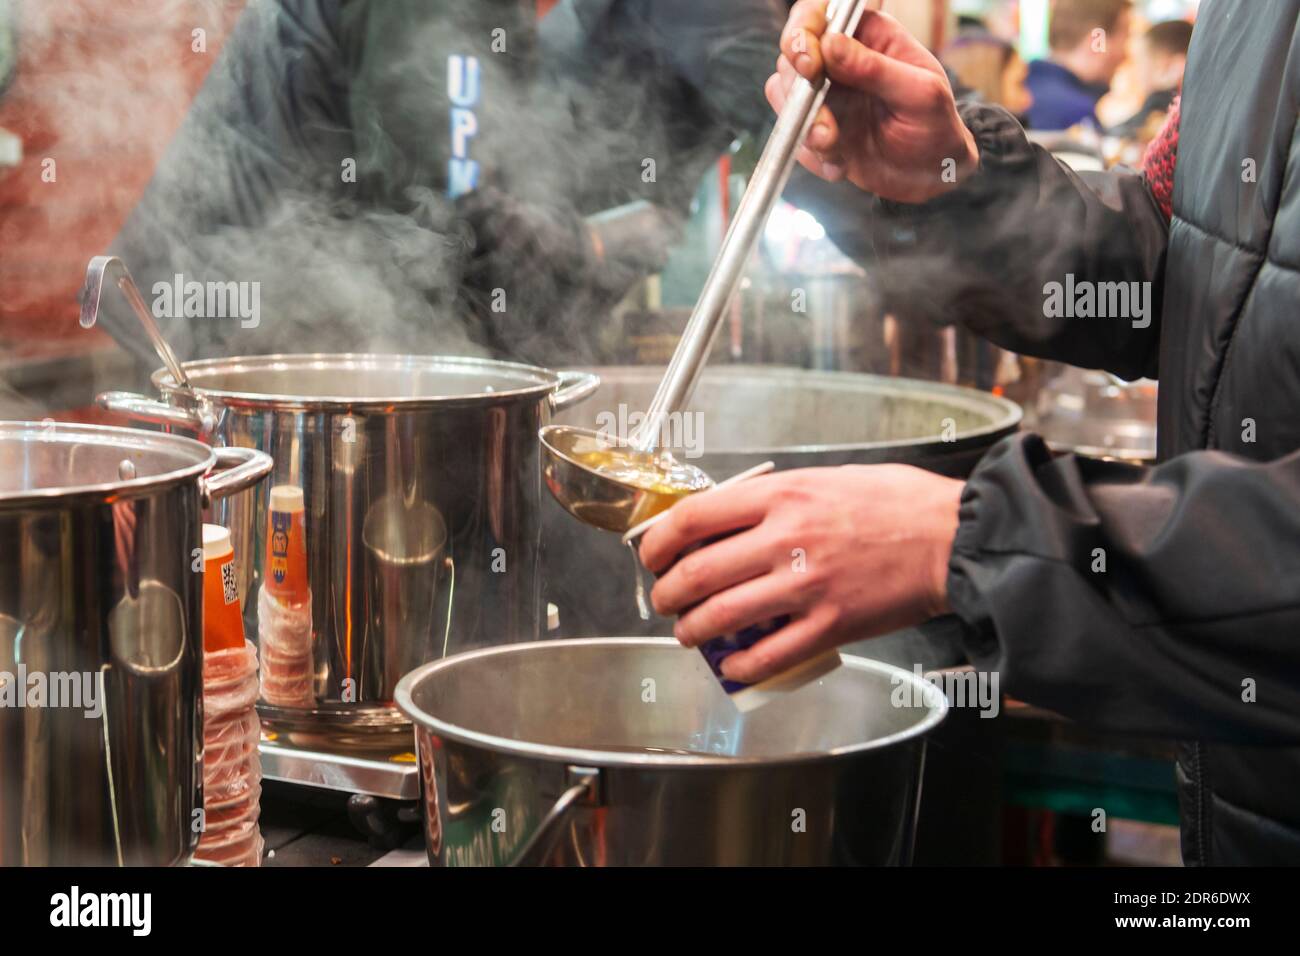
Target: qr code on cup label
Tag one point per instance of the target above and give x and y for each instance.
(228, 587)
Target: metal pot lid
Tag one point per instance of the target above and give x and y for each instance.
(359, 380)
(45, 462)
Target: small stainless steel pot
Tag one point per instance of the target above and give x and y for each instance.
(101, 591)
(625, 751)
(422, 489)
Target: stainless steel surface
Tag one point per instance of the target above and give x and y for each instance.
(391, 773)
(1093, 413)
(801, 418)
(139, 408)
(241, 469)
(111, 268)
(840, 309)
(584, 790)
(574, 388)
(98, 594)
(625, 751)
(421, 484)
(770, 175)
(591, 497)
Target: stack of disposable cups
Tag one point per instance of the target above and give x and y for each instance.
(284, 605)
(232, 770)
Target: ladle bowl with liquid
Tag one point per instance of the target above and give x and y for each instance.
(609, 484)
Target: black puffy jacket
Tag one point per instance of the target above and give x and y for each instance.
(1192, 630)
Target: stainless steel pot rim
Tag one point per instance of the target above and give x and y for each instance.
(975, 401)
(603, 758)
(126, 439)
(543, 380)
(1120, 453)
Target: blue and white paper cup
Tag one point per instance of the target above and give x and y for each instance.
(748, 697)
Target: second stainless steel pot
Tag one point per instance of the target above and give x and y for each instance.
(421, 488)
(626, 752)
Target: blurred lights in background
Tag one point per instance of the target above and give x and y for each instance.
(1157, 10)
(1035, 14)
(1033, 28)
(788, 223)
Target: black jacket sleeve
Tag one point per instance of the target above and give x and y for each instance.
(984, 255)
(1158, 600)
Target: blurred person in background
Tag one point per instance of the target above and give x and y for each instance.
(429, 175)
(991, 69)
(1088, 40)
(1159, 59)
(969, 25)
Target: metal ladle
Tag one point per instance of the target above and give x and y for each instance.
(582, 490)
(111, 268)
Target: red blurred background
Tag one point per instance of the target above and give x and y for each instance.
(101, 87)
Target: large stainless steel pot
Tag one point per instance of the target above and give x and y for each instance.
(101, 591)
(742, 416)
(625, 751)
(422, 488)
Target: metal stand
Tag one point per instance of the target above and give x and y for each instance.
(389, 773)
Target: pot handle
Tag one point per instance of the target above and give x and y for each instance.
(236, 470)
(584, 789)
(141, 408)
(574, 387)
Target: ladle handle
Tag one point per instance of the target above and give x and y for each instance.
(761, 195)
(111, 267)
